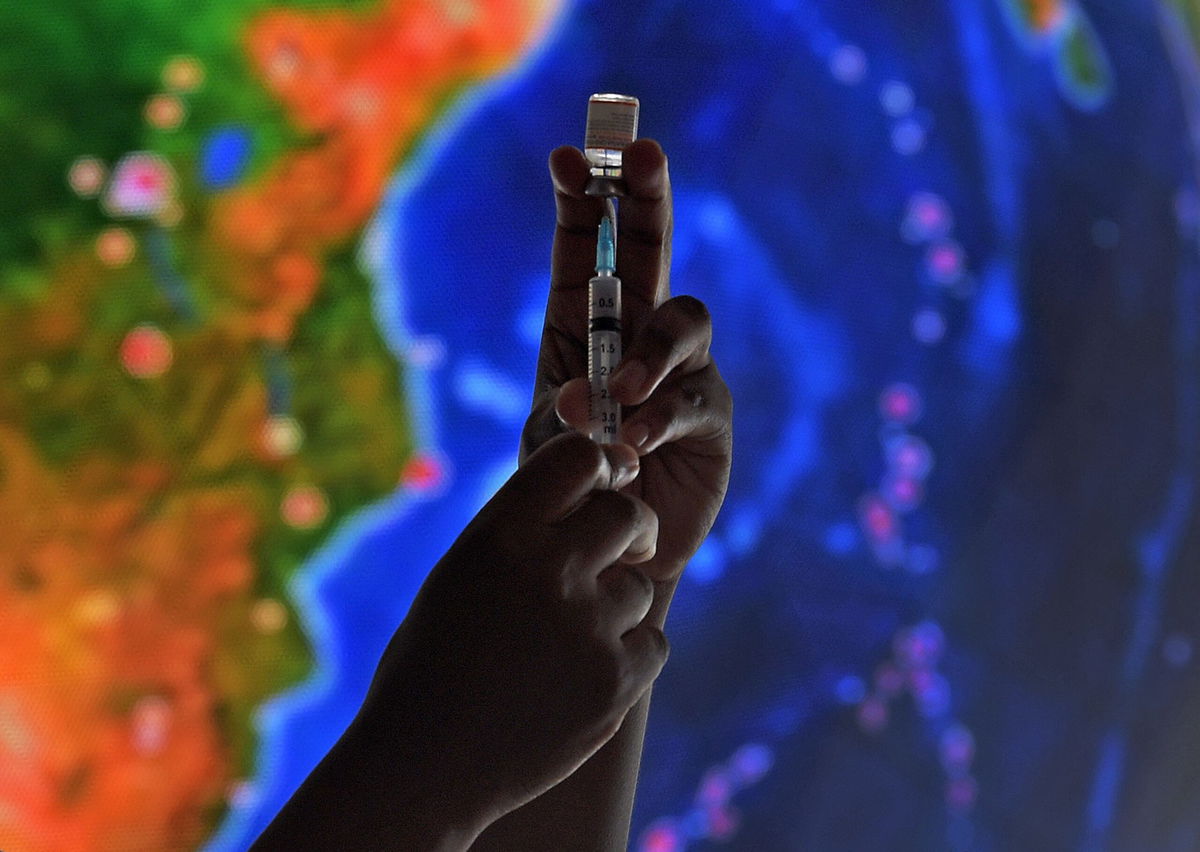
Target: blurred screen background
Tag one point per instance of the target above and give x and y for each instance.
(271, 286)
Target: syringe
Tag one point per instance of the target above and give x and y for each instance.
(604, 333)
(612, 122)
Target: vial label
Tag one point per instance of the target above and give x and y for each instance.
(611, 125)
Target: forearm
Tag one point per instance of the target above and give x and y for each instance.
(591, 810)
(363, 796)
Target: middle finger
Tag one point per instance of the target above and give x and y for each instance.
(645, 224)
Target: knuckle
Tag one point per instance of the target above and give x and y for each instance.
(692, 309)
(712, 387)
(664, 644)
(659, 339)
(722, 398)
(640, 665)
(694, 395)
(565, 584)
(626, 583)
(540, 427)
(639, 579)
(610, 582)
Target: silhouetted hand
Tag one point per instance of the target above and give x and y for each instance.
(525, 646)
(681, 401)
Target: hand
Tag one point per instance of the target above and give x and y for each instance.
(526, 646)
(682, 404)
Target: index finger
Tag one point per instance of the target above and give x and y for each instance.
(577, 218)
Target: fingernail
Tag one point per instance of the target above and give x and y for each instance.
(623, 460)
(629, 376)
(635, 434)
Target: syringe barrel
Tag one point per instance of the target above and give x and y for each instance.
(604, 353)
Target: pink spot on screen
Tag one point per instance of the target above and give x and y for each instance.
(928, 217)
(872, 715)
(900, 403)
(304, 507)
(961, 793)
(146, 352)
(919, 646)
(723, 822)
(423, 472)
(86, 176)
(142, 184)
(904, 493)
(662, 836)
(878, 519)
(115, 246)
(957, 748)
(909, 456)
(945, 261)
(888, 680)
(715, 788)
(932, 695)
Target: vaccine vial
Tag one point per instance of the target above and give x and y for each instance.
(611, 125)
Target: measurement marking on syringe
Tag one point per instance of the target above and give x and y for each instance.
(604, 339)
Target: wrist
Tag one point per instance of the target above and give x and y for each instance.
(407, 790)
(355, 799)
